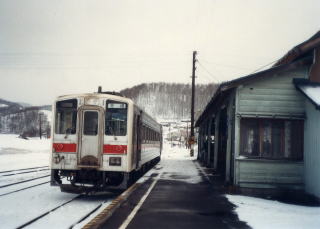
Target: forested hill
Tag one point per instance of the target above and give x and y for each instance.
(169, 100)
(19, 118)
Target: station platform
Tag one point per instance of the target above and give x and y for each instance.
(176, 193)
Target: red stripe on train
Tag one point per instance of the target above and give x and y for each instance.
(64, 148)
(115, 149)
(72, 148)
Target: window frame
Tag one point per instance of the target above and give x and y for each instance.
(296, 135)
(86, 115)
(105, 118)
(73, 109)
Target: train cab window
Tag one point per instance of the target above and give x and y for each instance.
(116, 118)
(66, 117)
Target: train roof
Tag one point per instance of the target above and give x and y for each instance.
(104, 96)
(96, 95)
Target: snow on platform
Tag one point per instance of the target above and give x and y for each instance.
(264, 214)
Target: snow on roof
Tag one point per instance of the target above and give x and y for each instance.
(312, 92)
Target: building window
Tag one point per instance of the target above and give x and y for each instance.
(271, 138)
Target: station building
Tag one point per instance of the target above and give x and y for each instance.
(263, 130)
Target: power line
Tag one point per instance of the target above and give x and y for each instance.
(227, 65)
(206, 75)
(207, 78)
(265, 66)
(204, 68)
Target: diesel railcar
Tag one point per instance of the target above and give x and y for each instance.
(100, 141)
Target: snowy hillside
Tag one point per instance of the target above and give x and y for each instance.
(16, 119)
(169, 101)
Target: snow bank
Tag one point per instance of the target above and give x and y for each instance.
(32, 144)
(17, 153)
(265, 214)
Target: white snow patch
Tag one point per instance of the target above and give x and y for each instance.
(48, 114)
(92, 216)
(264, 214)
(20, 207)
(18, 153)
(313, 92)
(241, 157)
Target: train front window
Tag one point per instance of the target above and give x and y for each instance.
(90, 123)
(116, 118)
(66, 117)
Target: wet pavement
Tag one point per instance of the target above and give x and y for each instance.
(174, 203)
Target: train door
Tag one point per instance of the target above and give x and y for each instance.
(90, 136)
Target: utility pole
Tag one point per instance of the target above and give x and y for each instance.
(192, 138)
(40, 130)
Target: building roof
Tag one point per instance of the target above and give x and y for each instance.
(300, 50)
(226, 86)
(310, 90)
(298, 56)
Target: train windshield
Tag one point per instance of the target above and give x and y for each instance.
(66, 117)
(116, 118)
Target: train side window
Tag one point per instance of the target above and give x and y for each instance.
(147, 137)
(66, 116)
(141, 135)
(116, 118)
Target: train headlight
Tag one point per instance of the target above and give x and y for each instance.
(115, 161)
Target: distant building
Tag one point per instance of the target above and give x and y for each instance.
(260, 131)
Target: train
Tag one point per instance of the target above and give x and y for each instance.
(101, 141)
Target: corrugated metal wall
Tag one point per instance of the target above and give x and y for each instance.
(270, 174)
(312, 150)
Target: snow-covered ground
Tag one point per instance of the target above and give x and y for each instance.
(20, 203)
(18, 153)
(265, 214)
(18, 207)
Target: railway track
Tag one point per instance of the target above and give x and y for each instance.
(47, 212)
(21, 176)
(23, 181)
(60, 207)
(35, 171)
(22, 171)
(25, 188)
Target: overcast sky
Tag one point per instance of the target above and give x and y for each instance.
(54, 47)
